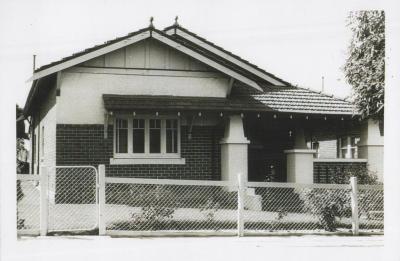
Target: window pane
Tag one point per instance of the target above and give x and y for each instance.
(122, 136)
(155, 136)
(172, 136)
(344, 152)
(354, 154)
(138, 136)
(354, 141)
(344, 142)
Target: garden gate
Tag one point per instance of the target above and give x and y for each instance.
(72, 199)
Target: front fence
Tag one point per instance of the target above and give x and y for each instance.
(297, 208)
(370, 208)
(28, 204)
(151, 206)
(132, 206)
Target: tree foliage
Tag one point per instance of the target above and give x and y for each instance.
(365, 66)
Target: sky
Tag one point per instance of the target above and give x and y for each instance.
(298, 41)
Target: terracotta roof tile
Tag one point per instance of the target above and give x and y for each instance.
(297, 100)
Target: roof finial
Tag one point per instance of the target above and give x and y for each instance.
(151, 22)
(176, 21)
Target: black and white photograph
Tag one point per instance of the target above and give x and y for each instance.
(199, 130)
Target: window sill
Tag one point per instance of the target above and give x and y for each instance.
(339, 160)
(152, 161)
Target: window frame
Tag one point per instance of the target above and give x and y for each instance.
(147, 155)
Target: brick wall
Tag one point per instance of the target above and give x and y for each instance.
(85, 145)
(324, 171)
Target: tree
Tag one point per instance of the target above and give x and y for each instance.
(22, 165)
(365, 66)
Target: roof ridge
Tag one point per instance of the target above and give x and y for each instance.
(322, 93)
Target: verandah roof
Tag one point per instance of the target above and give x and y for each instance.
(148, 102)
(296, 100)
(286, 100)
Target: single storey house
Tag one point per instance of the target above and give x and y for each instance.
(171, 104)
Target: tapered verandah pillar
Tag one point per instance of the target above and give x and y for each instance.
(234, 160)
(234, 150)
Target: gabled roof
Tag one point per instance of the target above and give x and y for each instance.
(233, 68)
(255, 89)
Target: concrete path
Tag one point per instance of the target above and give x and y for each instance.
(200, 248)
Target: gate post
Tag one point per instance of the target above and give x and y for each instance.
(102, 199)
(241, 195)
(44, 200)
(354, 205)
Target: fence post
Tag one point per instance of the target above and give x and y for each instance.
(102, 199)
(241, 194)
(44, 200)
(354, 205)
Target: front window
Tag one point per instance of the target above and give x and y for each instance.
(347, 147)
(146, 137)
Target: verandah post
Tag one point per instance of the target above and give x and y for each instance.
(44, 200)
(102, 199)
(354, 205)
(241, 193)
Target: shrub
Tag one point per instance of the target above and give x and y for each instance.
(362, 173)
(154, 215)
(210, 208)
(330, 204)
(327, 205)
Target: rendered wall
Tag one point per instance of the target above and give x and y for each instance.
(81, 101)
(45, 119)
(371, 147)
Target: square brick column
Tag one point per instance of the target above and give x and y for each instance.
(300, 167)
(300, 160)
